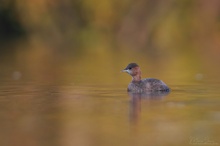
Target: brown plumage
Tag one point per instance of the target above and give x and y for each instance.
(144, 85)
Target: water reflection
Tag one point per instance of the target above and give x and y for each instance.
(135, 104)
(33, 113)
(28, 114)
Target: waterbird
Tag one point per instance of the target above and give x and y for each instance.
(139, 85)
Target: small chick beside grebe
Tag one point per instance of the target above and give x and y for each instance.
(144, 85)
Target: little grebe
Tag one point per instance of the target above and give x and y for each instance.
(144, 85)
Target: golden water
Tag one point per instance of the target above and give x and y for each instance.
(37, 113)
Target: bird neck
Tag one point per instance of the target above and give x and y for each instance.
(137, 76)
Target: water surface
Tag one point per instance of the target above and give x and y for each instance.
(67, 114)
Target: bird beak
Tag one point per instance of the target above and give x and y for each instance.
(124, 70)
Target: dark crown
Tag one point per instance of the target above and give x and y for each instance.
(131, 65)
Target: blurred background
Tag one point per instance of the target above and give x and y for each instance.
(91, 41)
(60, 63)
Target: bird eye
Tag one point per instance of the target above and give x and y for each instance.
(129, 68)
